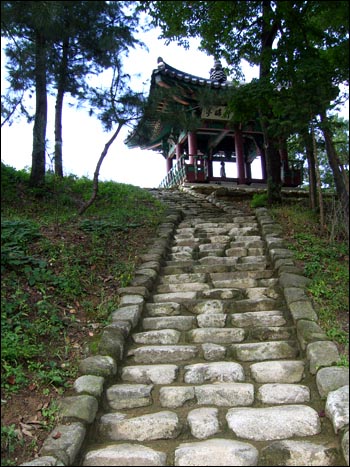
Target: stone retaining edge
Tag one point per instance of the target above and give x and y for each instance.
(63, 445)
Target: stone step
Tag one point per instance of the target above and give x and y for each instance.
(265, 351)
(282, 371)
(216, 335)
(182, 278)
(283, 394)
(127, 396)
(223, 452)
(184, 287)
(178, 297)
(163, 309)
(165, 353)
(258, 318)
(118, 427)
(298, 452)
(125, 454)
(147, 374)
(163, 336)
(273, 423)
(199, 373)
(180, 323)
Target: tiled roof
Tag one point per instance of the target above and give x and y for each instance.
(149, 130)
(166, 70)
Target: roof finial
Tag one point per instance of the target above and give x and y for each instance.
(160, 62)
(217, 73)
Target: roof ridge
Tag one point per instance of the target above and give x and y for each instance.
(173, 72)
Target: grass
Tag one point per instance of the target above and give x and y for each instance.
(60, 274)
(326, 263)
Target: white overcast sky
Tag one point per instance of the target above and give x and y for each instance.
(83, 137)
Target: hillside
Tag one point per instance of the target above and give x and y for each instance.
(60, 275)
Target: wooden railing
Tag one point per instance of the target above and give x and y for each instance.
(176, 176)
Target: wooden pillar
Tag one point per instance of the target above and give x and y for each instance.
(239, 155)
(178, 151)
(192, 146)
(169, 165)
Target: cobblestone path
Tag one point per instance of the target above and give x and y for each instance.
(219, 367)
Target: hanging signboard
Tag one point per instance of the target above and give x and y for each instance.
(217, 112)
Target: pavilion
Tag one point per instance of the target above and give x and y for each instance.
(186, 119)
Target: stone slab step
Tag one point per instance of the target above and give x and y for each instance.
(275, 393)
(185, 287)
(216, 335)
(124, 454)
(282, 371)
(165, 353)
(162, 336)
(117, 427)
(291, 452)
(273, 423)
(258, 318)
(127, 396)
(163, 309)
(180, 323)
(220, 452)
(199, 373)
(265, 351)
(155, 374)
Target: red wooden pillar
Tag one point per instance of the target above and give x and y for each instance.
(239, 155)
(210, 164)
(178, 150)
(169, 165)
(192, 146)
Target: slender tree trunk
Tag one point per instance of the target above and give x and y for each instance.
(308, 141)
(318, 181)
(273, 165)
(97, 170)
(339, 179)
(37, 176)
(61, 86)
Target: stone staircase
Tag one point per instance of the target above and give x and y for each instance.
(213, 358)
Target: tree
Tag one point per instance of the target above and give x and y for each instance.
(64, 43)
(32, 20)
(94, 32)
(117, 105)
(270, 34)
(312, 139)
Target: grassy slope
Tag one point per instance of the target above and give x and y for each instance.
(60, 274)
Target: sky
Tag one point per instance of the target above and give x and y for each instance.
(83, 136)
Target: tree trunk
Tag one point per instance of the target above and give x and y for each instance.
(339, 180)
(273, 165)
(61, 86)
(318, 180)
(273, 168)
(311, 168)
(37, 176)
(97, 171)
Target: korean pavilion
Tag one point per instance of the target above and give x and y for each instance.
(194, 137)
